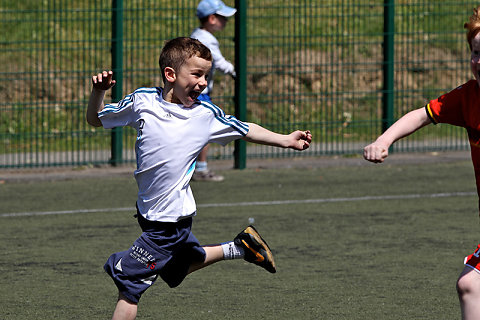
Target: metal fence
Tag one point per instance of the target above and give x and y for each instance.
(344, 69)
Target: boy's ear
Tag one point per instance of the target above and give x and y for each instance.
(170, 74)
(211, 19)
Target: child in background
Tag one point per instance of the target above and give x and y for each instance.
(460, 107)
(172, 128)
(213, 16)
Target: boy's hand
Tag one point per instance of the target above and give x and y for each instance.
(103, 81)
(375, 152)
(301, 139)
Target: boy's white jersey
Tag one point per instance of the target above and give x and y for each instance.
(169, 139)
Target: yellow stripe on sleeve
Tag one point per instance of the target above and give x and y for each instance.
(430, 113)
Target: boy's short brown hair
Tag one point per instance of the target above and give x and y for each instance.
(473, 26)
(178, 50)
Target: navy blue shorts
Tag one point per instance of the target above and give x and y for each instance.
(164, 249)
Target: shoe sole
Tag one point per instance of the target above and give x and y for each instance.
(254, 233)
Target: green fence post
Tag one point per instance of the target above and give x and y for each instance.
(388, 63)
(240, 153)
(117, 66)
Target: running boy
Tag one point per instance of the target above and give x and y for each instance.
(460, 107)
(172, 128)
(213, 16)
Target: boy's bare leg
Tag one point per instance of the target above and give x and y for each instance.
(247, 245)
(468, 287)
(212, 254)
(203, 154)
(125, 309)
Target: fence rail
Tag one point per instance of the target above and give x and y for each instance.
(343, 69)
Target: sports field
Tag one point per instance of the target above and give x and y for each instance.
(350, 241)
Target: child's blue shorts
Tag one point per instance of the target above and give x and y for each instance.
(165, 249)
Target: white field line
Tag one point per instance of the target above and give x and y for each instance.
(259, 203)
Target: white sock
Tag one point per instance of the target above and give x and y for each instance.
(201, 166)
(232, 251)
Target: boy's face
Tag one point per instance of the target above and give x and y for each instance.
(190, 80)
(475, 58)
(218, 22)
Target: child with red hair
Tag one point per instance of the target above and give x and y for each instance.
(459, 107)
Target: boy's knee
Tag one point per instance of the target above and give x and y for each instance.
(468, 283)
(462, 286)
(121, 296)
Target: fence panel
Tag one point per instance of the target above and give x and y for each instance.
(314, 64)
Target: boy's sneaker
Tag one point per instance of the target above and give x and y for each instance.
(206, 176)
(256, 249)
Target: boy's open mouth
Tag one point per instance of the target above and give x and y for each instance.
(194, 94)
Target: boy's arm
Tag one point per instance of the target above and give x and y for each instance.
(224, 66)
(221, 64)
(406, 125)
(298, 140)
(101, 83)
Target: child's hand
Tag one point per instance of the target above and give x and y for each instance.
(103, 81)
(301, 139)
(375, 152)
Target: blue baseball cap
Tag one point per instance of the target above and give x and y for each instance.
(208, 7)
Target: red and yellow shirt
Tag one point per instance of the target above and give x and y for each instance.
(461, 107)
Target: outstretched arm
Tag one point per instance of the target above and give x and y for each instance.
(406, 125)
(298, 140)
(101, 83)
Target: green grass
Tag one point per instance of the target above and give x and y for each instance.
(384, 259)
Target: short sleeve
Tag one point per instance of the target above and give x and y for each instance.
(118, 114)
(448, 108)
(224, 128)
(227, 128)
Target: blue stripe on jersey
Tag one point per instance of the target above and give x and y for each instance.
(126, 102)
(117, 107)
(192, 167)
(228, 120)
